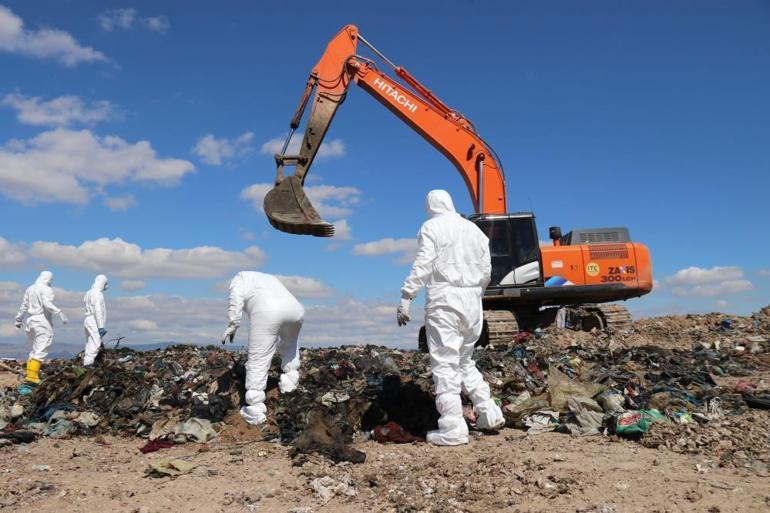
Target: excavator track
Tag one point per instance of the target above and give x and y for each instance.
(501, 326)
(605, 317)
(616, 317)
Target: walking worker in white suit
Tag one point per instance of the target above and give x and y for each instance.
(36, 316)
(95, 320)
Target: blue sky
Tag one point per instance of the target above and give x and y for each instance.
(154, 123)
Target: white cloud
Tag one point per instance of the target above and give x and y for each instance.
(125, 260)
(132, 285)
(247, 235)
(215, 151)
(342, 230)
(764, 273)
(64, 165)
(44, 43)
(333, 148)
(700, 282)
(143, 325)
(59, 111)
(352, 321)
(157, 24)
(116, 19)
(406, 247)
(302, 286)
(10, 254)
(330, 201)
(126, 19)
(7, 330)
(721, 303)
(157, 318)
(120, 203)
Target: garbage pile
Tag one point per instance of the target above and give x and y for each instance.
(550, 380)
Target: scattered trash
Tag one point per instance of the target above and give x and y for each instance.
(561, 389)
(195, 430)
(19, 437)
(325, 488)
(587, 417)
(744, 385)
(392, 432)
(155, 445)
(171, 468)
(17, 411)
(541, 422)
(632, 423)
(611, 401)
(552, 379)
(87, 418)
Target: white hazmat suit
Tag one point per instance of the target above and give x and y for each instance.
(454, 266)
(36, 313)
(275, 319)
(96, 317)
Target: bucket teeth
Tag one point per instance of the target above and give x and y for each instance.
(289, 210)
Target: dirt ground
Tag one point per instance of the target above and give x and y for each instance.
(505, 472)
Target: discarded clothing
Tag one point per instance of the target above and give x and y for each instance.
(394, 433)
(155, 445)
(171, 468)
(195, 430)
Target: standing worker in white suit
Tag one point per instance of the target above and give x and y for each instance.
(454, 266)
(95, 320)
(36, 315)
(275, 318)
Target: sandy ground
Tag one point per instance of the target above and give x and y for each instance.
(506, 472)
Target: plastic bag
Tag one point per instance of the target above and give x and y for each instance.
(637, 421)
(561, 389)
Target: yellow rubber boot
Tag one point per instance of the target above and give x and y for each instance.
(33, 371)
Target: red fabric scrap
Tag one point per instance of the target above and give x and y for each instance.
(156, 445)
(393, 432)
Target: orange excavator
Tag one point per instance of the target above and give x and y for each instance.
(569, 282)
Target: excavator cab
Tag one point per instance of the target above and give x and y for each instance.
(513, 247)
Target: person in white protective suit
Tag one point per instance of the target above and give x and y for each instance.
(454, 266)
(275, 319)
(36, 314)
(96, 317)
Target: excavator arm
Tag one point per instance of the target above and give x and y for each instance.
(286, 205)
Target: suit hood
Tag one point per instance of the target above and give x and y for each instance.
(439, 202)
(100, 283)
(45, 278)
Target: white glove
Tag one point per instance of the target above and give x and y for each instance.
(18, 325)
(229, 333)
(63, 318)
(402, 313)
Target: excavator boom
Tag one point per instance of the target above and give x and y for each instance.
(287, 206)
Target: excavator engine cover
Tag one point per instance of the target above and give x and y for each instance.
(289, 210)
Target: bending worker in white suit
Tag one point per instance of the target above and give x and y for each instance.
(35, 314)
(454, 266)
(275, 318)
(96, 318)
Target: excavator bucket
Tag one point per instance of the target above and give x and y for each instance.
(289, 210)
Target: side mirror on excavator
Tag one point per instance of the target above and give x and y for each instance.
(554, 233)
